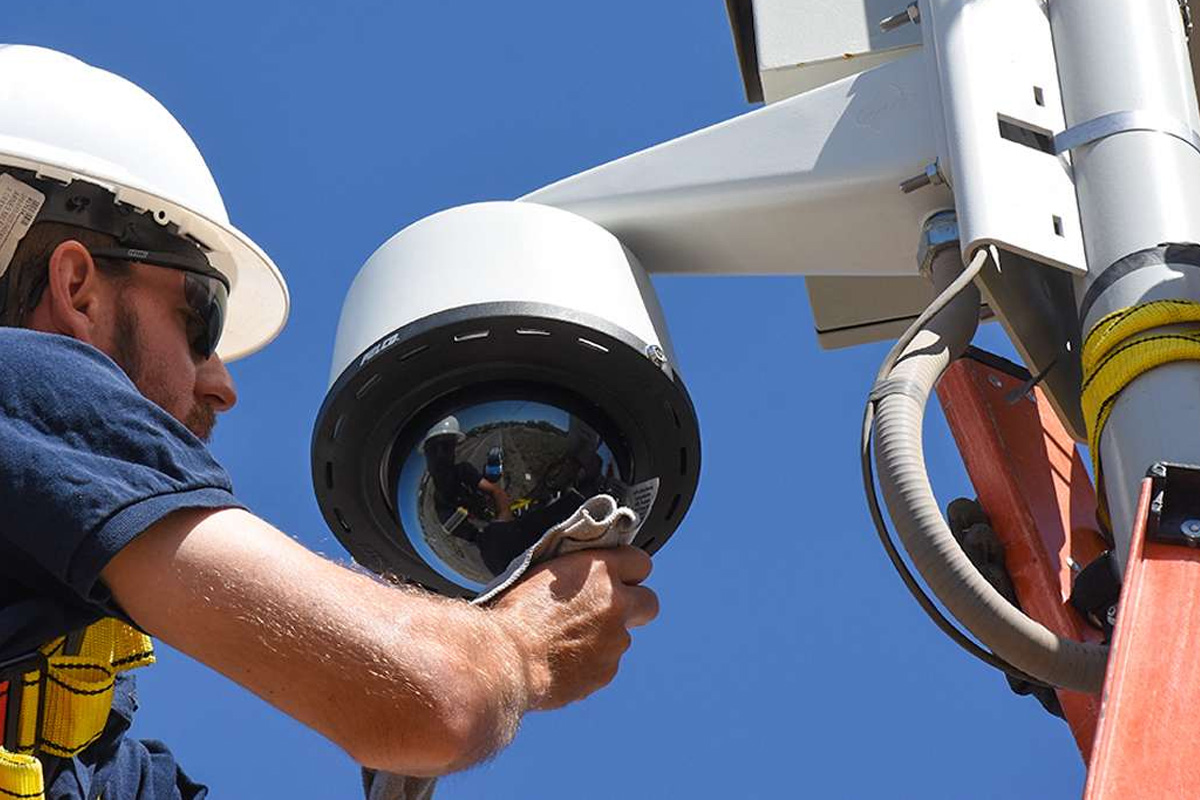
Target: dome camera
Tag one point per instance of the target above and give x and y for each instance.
(495, 365)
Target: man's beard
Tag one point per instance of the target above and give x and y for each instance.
(200, 419)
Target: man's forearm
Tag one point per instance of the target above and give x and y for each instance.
(404, 681)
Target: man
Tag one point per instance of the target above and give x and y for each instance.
(457, 484)
(120, 272)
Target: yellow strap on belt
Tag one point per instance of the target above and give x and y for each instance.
(70, 699)
(1124, 345)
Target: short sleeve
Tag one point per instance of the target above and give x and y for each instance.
(86, 462)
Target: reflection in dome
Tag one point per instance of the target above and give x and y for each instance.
(486, 482)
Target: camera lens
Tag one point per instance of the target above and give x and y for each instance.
(484, 483)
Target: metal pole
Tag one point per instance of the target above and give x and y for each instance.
(1136, 190)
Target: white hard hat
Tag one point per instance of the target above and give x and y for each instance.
(68, 121)
(447, 427)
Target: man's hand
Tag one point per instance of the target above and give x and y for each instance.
(570, 619)
(500, 499)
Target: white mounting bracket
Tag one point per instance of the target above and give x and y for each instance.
(998, 79)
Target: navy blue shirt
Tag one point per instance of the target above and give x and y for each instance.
(86, 464)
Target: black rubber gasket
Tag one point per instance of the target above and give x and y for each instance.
(1183, 254)
(381, 405)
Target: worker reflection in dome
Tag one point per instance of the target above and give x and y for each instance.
(558, 488)
(534, 475)
(460, 490)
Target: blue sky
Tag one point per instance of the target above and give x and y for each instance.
(788, 660)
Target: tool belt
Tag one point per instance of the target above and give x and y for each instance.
(56, 700)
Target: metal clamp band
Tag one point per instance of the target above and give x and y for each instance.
(1121, 122)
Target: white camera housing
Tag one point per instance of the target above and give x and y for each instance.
(508, 301)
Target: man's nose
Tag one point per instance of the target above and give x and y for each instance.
(214, 385)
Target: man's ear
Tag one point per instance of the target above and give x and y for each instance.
(71, 302)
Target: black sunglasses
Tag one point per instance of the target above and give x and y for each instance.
(205, 289)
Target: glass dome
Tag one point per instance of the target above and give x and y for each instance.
(484, 483)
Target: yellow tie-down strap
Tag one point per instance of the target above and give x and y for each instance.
(20, 776)
(1124, 345)
(64, 707)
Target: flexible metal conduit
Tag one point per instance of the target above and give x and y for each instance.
(900, 460)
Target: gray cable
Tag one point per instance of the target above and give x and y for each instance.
(1021, 646)
(882, 388)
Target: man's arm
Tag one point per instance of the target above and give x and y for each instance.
(404, 681)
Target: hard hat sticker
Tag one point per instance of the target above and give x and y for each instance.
(19, 206)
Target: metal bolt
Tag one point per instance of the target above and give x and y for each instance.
(939, 232)
(1111, 616)
(1191, 529)
(1073, 564)
(656, 355)
(994, 381)
(910, 14)
(932, 176)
